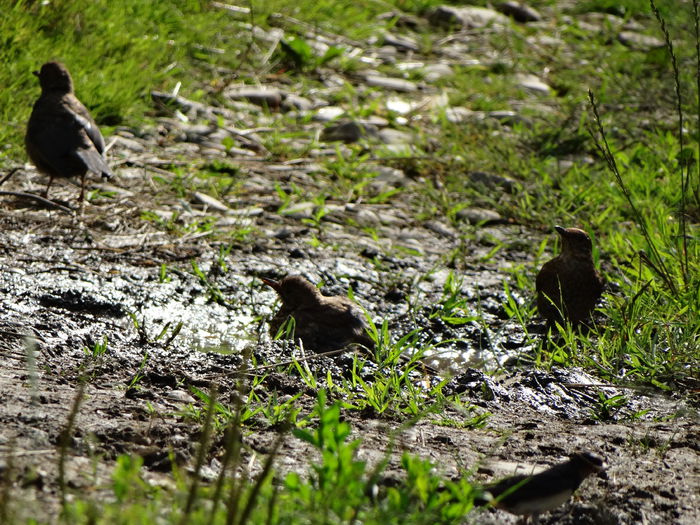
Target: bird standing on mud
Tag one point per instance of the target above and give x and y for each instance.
(322, 323)
(569, 286)
(531, 495)
(62, 139)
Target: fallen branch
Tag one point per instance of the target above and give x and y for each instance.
(37, 198)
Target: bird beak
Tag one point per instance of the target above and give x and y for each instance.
(560, 230)
(272, 284)
(35, 73)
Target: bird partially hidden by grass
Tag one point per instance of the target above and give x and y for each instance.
(530, 495)
(322, 323)
(62, 139)
(568, 286)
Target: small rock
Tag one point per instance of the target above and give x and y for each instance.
(388, 178)
(409, 65)
(400, 42)
(236, 221)
(127, 143)
(274, 34)
(208, 474)
(329, 152)
(195, 133)
(441, 229)
(347, 131)
(532, 82)
(520, 12)
(397, 84)
(491, 180)
(638, 41)
(403, 20)
(469, 17)
(408, 240)
(295, 102)
(374, 120)
(479, 216)
(545, 40)
(370, 252)
(394, 136)
(283, 233)
(633, 25)
(365, 217)
(300, 210)
(398, 149)
(179, 396)
(507, 117)
(335, 213)
(250, 211)
(209, 202)
(460, 114)
(388, 54)
(433, 72)
(399, 105)
(262, 96)
(328, 113)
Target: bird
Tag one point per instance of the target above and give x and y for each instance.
(62, 139)
(322, 323)
(568, 286)
(531, 495)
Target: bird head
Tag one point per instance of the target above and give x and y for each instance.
(294, 290)
(53, 76)
(575, 242)
(587, 462)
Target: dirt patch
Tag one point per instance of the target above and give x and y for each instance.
(63, 290)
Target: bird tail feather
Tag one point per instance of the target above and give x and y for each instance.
(96, 163)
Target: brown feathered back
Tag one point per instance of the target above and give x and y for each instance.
(322, 323)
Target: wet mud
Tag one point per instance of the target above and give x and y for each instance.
(166, 329)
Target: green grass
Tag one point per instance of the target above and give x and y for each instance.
(337, 487)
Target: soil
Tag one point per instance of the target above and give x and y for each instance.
(68, 283)
(71, 281)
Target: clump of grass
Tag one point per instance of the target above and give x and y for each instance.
(644, 219)
(333, 486)
(654, 332)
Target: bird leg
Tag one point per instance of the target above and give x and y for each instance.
(46, 191)
(82, 192)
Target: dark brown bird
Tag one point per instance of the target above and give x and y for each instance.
(322, 323)
(62, 139)
(542, 492)
(569, 286)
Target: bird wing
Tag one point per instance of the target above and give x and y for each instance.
(346, 316)
(85, 121)
(338, 324)
(92, 156)
(95, 162)
(548, 290)
(522, 494)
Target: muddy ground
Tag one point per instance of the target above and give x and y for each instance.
(71, 281)
(68, 283)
